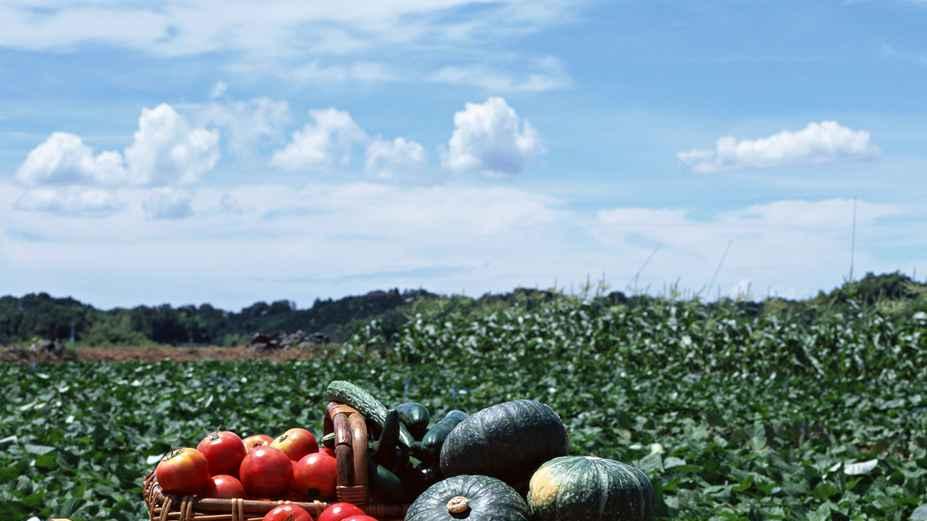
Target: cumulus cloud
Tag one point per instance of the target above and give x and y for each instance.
(817, 143)
(164, 149)
(386, 158)
(324, 143)
(490, 137)
(63, 158)
(69, 201)
(247, 124)
(548, 74)
(168, 204)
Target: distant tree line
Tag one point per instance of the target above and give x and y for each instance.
(41, 315)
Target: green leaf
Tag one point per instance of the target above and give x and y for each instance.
(651, 463)
(860, 468)
(38, 449)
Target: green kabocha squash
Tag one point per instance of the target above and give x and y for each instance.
(429, 450)
(471, 498)
(373, 410)
(508, 441)
(591, 489)
(415, 417)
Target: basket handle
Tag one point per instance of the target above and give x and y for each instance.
(350, 429)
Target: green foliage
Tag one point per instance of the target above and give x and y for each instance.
(114, 330)
(43, 316)
(734, 413)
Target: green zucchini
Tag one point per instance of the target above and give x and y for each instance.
(373, 410)
(385, 486)
(387, 450)
(415, 417)
(429, 450)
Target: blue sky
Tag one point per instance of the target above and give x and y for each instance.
(200, 151)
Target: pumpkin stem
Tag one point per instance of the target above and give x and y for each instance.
(458, 506)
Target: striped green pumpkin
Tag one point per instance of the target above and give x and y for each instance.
(585, 488)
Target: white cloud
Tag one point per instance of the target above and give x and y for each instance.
(69, 201)
(245, 125)
(327, 142)
(168, 203)
(490, 137)
(52, 25)
(218, 89)
(261, 241)
(782, 244)
(313, 72)
(386, 158)
(817, 143)
(63, 158)
(292, 28)
(165, 149)
(549, 75)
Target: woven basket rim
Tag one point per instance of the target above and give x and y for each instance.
(336, 418)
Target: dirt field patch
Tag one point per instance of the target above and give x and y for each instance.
(158, 353)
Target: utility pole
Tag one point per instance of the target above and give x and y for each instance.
(853, 241)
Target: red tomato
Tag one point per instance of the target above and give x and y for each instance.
(224, 452)
(315, 475)
(257, 440)
(288, 513)
(266, 473)
(296, 443)
(360, 518)
(183, 472)
(326, 450)
(225, 486)
(339, 511)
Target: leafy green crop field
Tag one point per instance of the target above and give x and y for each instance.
(734, 417)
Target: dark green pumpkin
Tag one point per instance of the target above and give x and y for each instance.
(590, 489)
(415, 417)
(508, 441)
(471, 498)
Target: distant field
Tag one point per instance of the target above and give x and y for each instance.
(159, 353)
(187, 354)
(734, 416)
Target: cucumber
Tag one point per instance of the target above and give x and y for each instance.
(415, 417)
(373, 410)
(429, 450)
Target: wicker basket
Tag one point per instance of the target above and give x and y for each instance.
(350, 431)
